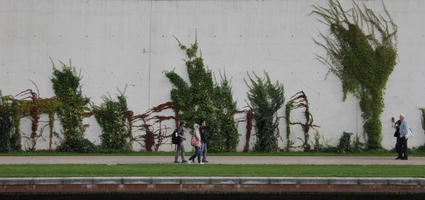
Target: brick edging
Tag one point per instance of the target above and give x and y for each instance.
(211, 180)
(211, 185)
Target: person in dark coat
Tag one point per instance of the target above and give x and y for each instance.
(204, 140)
(180, 145)
(397, 136)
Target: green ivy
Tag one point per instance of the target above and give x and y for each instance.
(66, 85)
(288, 108)
(344, 145)
(317, 146)
(423, 117)
(6, 123)
(265, 99)
(362, 58)
(225, 109)
(112, 119)
(204, 99)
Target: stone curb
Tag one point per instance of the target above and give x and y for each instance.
(212, 181)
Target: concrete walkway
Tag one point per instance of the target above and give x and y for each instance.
(281, 160)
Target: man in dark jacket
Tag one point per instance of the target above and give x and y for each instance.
(203, 140)
(179, 145)
(397, 135)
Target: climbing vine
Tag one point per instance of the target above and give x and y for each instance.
(205, 100)
(265, 99)
(300, 100)
(225, 110)
(361, 51)
(66, 85)
(111, 117)
(29, 104)
(288, 108)
(6, 123)
(423, 117)
(156, 133)
(249, 116)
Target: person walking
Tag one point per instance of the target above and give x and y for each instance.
(404, 129)
(180, 145)
(204, 140)
(197, 145)
(397, 136)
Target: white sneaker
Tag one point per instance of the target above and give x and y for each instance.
(201, 163)
(189, 162)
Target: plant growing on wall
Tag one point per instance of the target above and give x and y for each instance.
(6, 123)
(265, 99)
(112, 119)
(299, 100)
(203, 99)
(288, 108)
(66, 85)
(31, 105)
(344, 145)
(156, 133)
(423, 117)
(361, 52)
(249, 116)
(225, 110)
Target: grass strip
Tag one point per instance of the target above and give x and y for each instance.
(211, 170)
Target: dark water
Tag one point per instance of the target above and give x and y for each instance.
(218, 197)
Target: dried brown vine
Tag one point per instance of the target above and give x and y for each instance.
(248, 119)
(154, 135)
(299, 100)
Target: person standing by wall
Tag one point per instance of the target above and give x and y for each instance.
(403, 138)
(397, 136)
(180, 145)
(204, 140)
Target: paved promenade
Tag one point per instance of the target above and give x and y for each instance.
(281, 160)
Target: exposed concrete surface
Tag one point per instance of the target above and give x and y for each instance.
(121, 42)
(283, 160)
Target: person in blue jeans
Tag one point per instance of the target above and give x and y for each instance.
(204, 140)
(197, 146)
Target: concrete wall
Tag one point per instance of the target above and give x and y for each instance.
(119, 42)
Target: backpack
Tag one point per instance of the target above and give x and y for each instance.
(175, 139)
(194, 141)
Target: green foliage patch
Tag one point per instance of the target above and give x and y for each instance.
(112, 119)
(362, 58)
(66, 85)
(265, 99)
(7, 111)
(423, 117)
(203, 99)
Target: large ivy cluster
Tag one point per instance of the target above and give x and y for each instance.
(361, 52)
(112, 119)
(265, 99)
(66, 85)
(205, 100)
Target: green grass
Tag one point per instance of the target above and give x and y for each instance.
(52, 153)
(211, 170)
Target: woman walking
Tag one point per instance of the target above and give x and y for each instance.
(196, 143)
